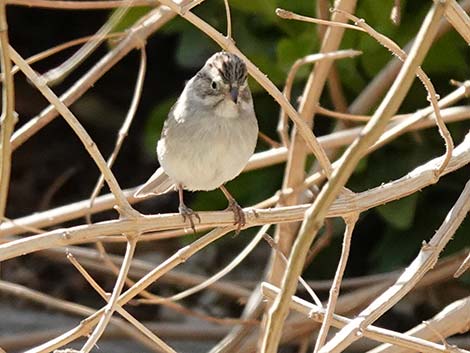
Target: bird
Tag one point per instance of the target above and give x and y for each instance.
(208, 137)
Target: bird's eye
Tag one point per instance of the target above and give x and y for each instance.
(214, 85)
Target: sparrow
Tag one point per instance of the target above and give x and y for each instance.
(209, 135)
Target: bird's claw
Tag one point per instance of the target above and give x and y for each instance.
(188, 215)
(239, 215)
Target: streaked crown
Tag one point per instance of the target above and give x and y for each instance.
(230, 67)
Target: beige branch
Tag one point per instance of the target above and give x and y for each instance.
(453, 319)
(316, 213)
(335, 286)
(82, 4)
(134, 39)
(7, 119)
(111, 306)
(415, 180)
(122, 134)
(85, 138)
(425, 261)
(373, 332)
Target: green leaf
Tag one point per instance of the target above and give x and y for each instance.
(400, 213)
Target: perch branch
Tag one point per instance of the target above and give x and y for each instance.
(415, 180)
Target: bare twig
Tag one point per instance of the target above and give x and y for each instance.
(464, 267)
(157, 344)
(122, 134)
(134, 38)
(7, 119)
(235, 262)
(459, 19)
(82, 4)
(379, 334)
(90, 146)
(453, 319)
(395, 14)
(57, 74)
(309, 59)
(58, 48)
(229, 19)
(316, 213)
(425, 260)
(334, 290)
(112, 303)
(415, 180)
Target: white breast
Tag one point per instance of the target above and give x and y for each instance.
(204, 152)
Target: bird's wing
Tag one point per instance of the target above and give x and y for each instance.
(159, 183)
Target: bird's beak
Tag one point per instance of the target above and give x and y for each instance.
(234, 94)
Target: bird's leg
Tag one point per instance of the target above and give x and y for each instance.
(240, 219)
(185, 211)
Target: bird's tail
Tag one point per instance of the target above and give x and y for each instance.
(159, 183)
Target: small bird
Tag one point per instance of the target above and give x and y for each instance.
(209, 135)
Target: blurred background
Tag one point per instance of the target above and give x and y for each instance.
(53, 169)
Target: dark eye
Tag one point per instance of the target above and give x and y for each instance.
(214, 85)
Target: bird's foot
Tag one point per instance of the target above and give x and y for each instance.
(239, 215)
(188, 215)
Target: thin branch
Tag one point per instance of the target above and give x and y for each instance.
(463, 267)
(282, 127)
(451, 320)
(289, 15)
(425, 261)
(456, 15)
(395, 14)
(82, 4)
(432, 96)
(302, 282)
(229, 19)
(125, 126)
(8, 118)
(85, 138)
(134, 39)
(234, 263)
(34, 296)
(59, 73)
(334, 290)
(369, 96)
(415, 180)
(179, 257)
(157, 344)
(373, 332)
(112, 303)
(58, 48)
(315, 214)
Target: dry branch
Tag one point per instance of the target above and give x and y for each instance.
(316, 213)
(415, 180)
(453, 319)
(7, 119)
(425, 260)
(373, 332)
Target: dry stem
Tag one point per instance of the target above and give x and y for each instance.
(315, 214)
(425, 261)
(7, 119)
